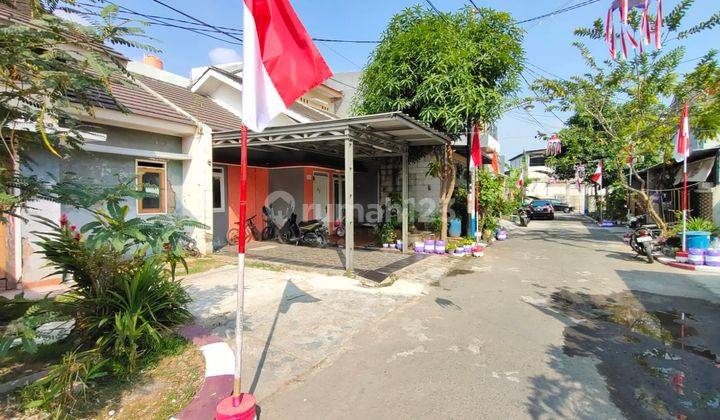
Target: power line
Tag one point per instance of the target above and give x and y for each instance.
(474, 5)
(433, 7)
(538, 97)
(196, 20)
(559, 11)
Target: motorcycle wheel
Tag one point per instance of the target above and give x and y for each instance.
(321, 241)
(648, 252)
(268, 233)
(284, 237)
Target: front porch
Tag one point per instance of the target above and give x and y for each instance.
(349, 151)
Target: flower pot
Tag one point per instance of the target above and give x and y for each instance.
(467, 248)
(501, 235)
(712, 257)
(696, 256)
(419, 246)
(681, 257)
(399, 244)
(430, 246)
(439, 247)
(386, 245)
(478, 251)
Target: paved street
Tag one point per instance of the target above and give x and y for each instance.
(485, 342)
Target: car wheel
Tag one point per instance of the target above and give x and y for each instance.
(566, 210)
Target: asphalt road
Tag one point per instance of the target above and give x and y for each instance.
(483, 342)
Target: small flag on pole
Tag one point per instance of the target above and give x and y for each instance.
(475, 151)
(682, 141)
(597, 177)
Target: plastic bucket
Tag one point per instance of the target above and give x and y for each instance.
(697, 239)
(712, 257)
(681, 257)
(430, 246)
(419, 246)
(455, 227)
(696, 256)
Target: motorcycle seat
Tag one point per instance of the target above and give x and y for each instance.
(309, 222)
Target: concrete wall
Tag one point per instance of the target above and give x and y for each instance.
(423, 190)
(286, 187)
(105, 169)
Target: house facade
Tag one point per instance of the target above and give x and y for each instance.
(544, 185)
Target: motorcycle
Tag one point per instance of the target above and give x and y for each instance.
(643, 241)
(311, 232)
(271, 227)
(524, 216)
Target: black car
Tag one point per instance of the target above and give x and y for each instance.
(560, 206)
(541, 209)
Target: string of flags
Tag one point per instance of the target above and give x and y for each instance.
(648, 34)
(554, 146)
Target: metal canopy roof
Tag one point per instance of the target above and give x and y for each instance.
(373, 136)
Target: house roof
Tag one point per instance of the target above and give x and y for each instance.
(527, 152)
(136, 100)
(374, 136)
(199, 106)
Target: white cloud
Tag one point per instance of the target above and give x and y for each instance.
(222, 55)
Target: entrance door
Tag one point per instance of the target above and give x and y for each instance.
(338, 196)
(321, 197)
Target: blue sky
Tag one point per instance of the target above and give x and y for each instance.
(547, 42)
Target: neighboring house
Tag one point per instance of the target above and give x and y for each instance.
(544, 185)
(168, 150)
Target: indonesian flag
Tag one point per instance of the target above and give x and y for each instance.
(280, 61)
(597, 177)
(682, 142)
(475, 152)
(521, 180)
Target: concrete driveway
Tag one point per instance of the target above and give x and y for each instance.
(489, 341)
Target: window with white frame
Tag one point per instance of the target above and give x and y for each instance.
(152, 179)
(218, 190)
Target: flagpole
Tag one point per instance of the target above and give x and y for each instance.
(241, 266)
(685, 201)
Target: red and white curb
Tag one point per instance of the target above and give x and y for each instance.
(690, 267)
(219, 366)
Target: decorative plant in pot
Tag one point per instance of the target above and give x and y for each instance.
(386, 235)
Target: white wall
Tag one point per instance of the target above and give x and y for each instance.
(197, 185)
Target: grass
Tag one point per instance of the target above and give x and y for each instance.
(164, 385)
(17, 364)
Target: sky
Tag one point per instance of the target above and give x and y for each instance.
(547, 42)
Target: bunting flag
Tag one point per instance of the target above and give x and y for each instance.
(682, 141)
(495, 162)
(645, 28)
(554, 146)
(280, 61)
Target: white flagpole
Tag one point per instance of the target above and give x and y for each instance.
(685, 201)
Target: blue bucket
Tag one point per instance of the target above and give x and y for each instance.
(455, 228)
(697, 239)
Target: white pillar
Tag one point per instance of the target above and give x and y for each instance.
(349, 205)
(197, 184)
(405, 210)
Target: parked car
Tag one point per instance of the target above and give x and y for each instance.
(561, 206)
(541, 209)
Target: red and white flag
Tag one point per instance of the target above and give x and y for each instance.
(280, 61)
(475, 152)
(597, 177)
(682, 141)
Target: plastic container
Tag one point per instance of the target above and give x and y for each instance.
(460, 252)
(399, 244)
(712, 257)
(501, 235)
(430, 246)
(696, 256)
(439, 247)
(697, 239)
(478, 251)
(681, 257)
(419, 246)
(455, 227)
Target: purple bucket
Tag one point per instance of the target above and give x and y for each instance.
(467, 248)
(419, 247)
(696, 256)
(712, 257)
(429, 246)
(439, 247)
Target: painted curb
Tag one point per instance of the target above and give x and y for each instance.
(219, 365)
(672, 263)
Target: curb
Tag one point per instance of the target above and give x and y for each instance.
(699, 268)
(219, 366)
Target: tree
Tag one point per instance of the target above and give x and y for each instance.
(449, 70)
(50, 70)
(629, 109)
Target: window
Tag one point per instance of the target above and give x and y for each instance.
(218, 190)
(152, 179)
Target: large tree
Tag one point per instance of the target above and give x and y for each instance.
(449, 70)
(628, 109)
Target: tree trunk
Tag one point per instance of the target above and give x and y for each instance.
(447, 186)
(646, 198)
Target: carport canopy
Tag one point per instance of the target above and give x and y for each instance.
(363, 137)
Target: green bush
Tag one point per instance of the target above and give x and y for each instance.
(699, 224)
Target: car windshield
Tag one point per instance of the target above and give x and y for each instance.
(539, 203)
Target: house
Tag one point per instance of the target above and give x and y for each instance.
(543, 184)
(665, 183)
(155, 141)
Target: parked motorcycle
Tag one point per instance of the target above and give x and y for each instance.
(643, 241)
(271, 227)
(311, 232)
(524, 216)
